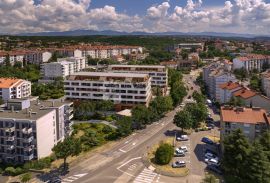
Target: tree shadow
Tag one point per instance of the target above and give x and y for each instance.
(55, 173)
(199, 151)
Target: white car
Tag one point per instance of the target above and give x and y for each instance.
(178, 150)
(182, 138)
(212, 161)
(183, 148)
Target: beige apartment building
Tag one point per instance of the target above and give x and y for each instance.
(158, 74)
(252, 121)
(125, 90)
(30, 129)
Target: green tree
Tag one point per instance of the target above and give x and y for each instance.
(235, 157)
(210, 179)
(236, 101)
(198, 113)
(183, 119)
(161, 105)
(240, 74)
(141, 116)
(7, 61)
(198, 97)
(124, 125)
(69, 147)
(164, 154)
(178, 92)
(25, 177)
(259, 165)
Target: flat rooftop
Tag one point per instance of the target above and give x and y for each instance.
(138, 66)
(109, 74)
(38, 109)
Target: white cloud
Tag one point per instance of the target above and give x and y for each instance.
(245, 16)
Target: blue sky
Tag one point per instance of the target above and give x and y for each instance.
(235, 16)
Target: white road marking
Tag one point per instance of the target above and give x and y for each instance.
(146, 176)
(119, 168)
(122, 151)
(73, 178)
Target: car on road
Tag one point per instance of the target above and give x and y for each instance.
(189, 97)
(191, 88)
(214, 169)
(55, 180)
(182, 138)
(182, 105)
(207, 141)
(179, 164)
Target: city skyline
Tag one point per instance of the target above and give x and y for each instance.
(235, 16)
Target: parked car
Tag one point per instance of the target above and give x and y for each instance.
(182, 105)
(55, 180)
(183, 148)
(214, 169)
(179, 153)
(207, 141)
(212, 161)
(210, 125)
(182, 138)
(179, 164)
(189, 97)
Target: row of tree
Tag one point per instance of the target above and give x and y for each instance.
(246, 162)
(192, 114)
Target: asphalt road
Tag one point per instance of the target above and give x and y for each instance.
(122, 163)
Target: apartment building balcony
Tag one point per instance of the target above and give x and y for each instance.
(27, 131)
(29, 148)
(28, 139)
(10, 129)
(71, 116)
(11, 156)
(10, 147)
(11, 138)
(28, 157)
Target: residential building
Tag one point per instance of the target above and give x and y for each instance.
(266, 83)
(30, 129)
(252, 121)
(159, 74)
(253, 99)
(125, 90)
(226, 91)
(11, 88)
(37, 56)
(189, 46)
(62, 68)
(16, 56)
(251, 62)
(169, 64)
(3, 55)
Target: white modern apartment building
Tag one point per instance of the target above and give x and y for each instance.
(216, 78)
(11, 88)
(30, 129)
(159, 74)
(37, 56)
(266, 83)
(67, 52)
(189, 46)
(62, 68)
(125, 90)
(251, 62)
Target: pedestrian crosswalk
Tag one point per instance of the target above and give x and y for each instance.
(72, 178)
(146, 176)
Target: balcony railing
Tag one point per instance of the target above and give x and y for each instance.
(29, 148)
(12, 138)
(28, 139)
(28, 157)
(11, 147)
(27, 130)
(10, 129)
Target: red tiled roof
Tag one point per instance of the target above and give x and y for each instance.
(229, 85)
(8, 82)
(244, 93)
(244, 115)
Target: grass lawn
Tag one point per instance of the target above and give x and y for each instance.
(167, 169)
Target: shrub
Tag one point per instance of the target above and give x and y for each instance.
(25, 177)
(164, 154)
(10, 171)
